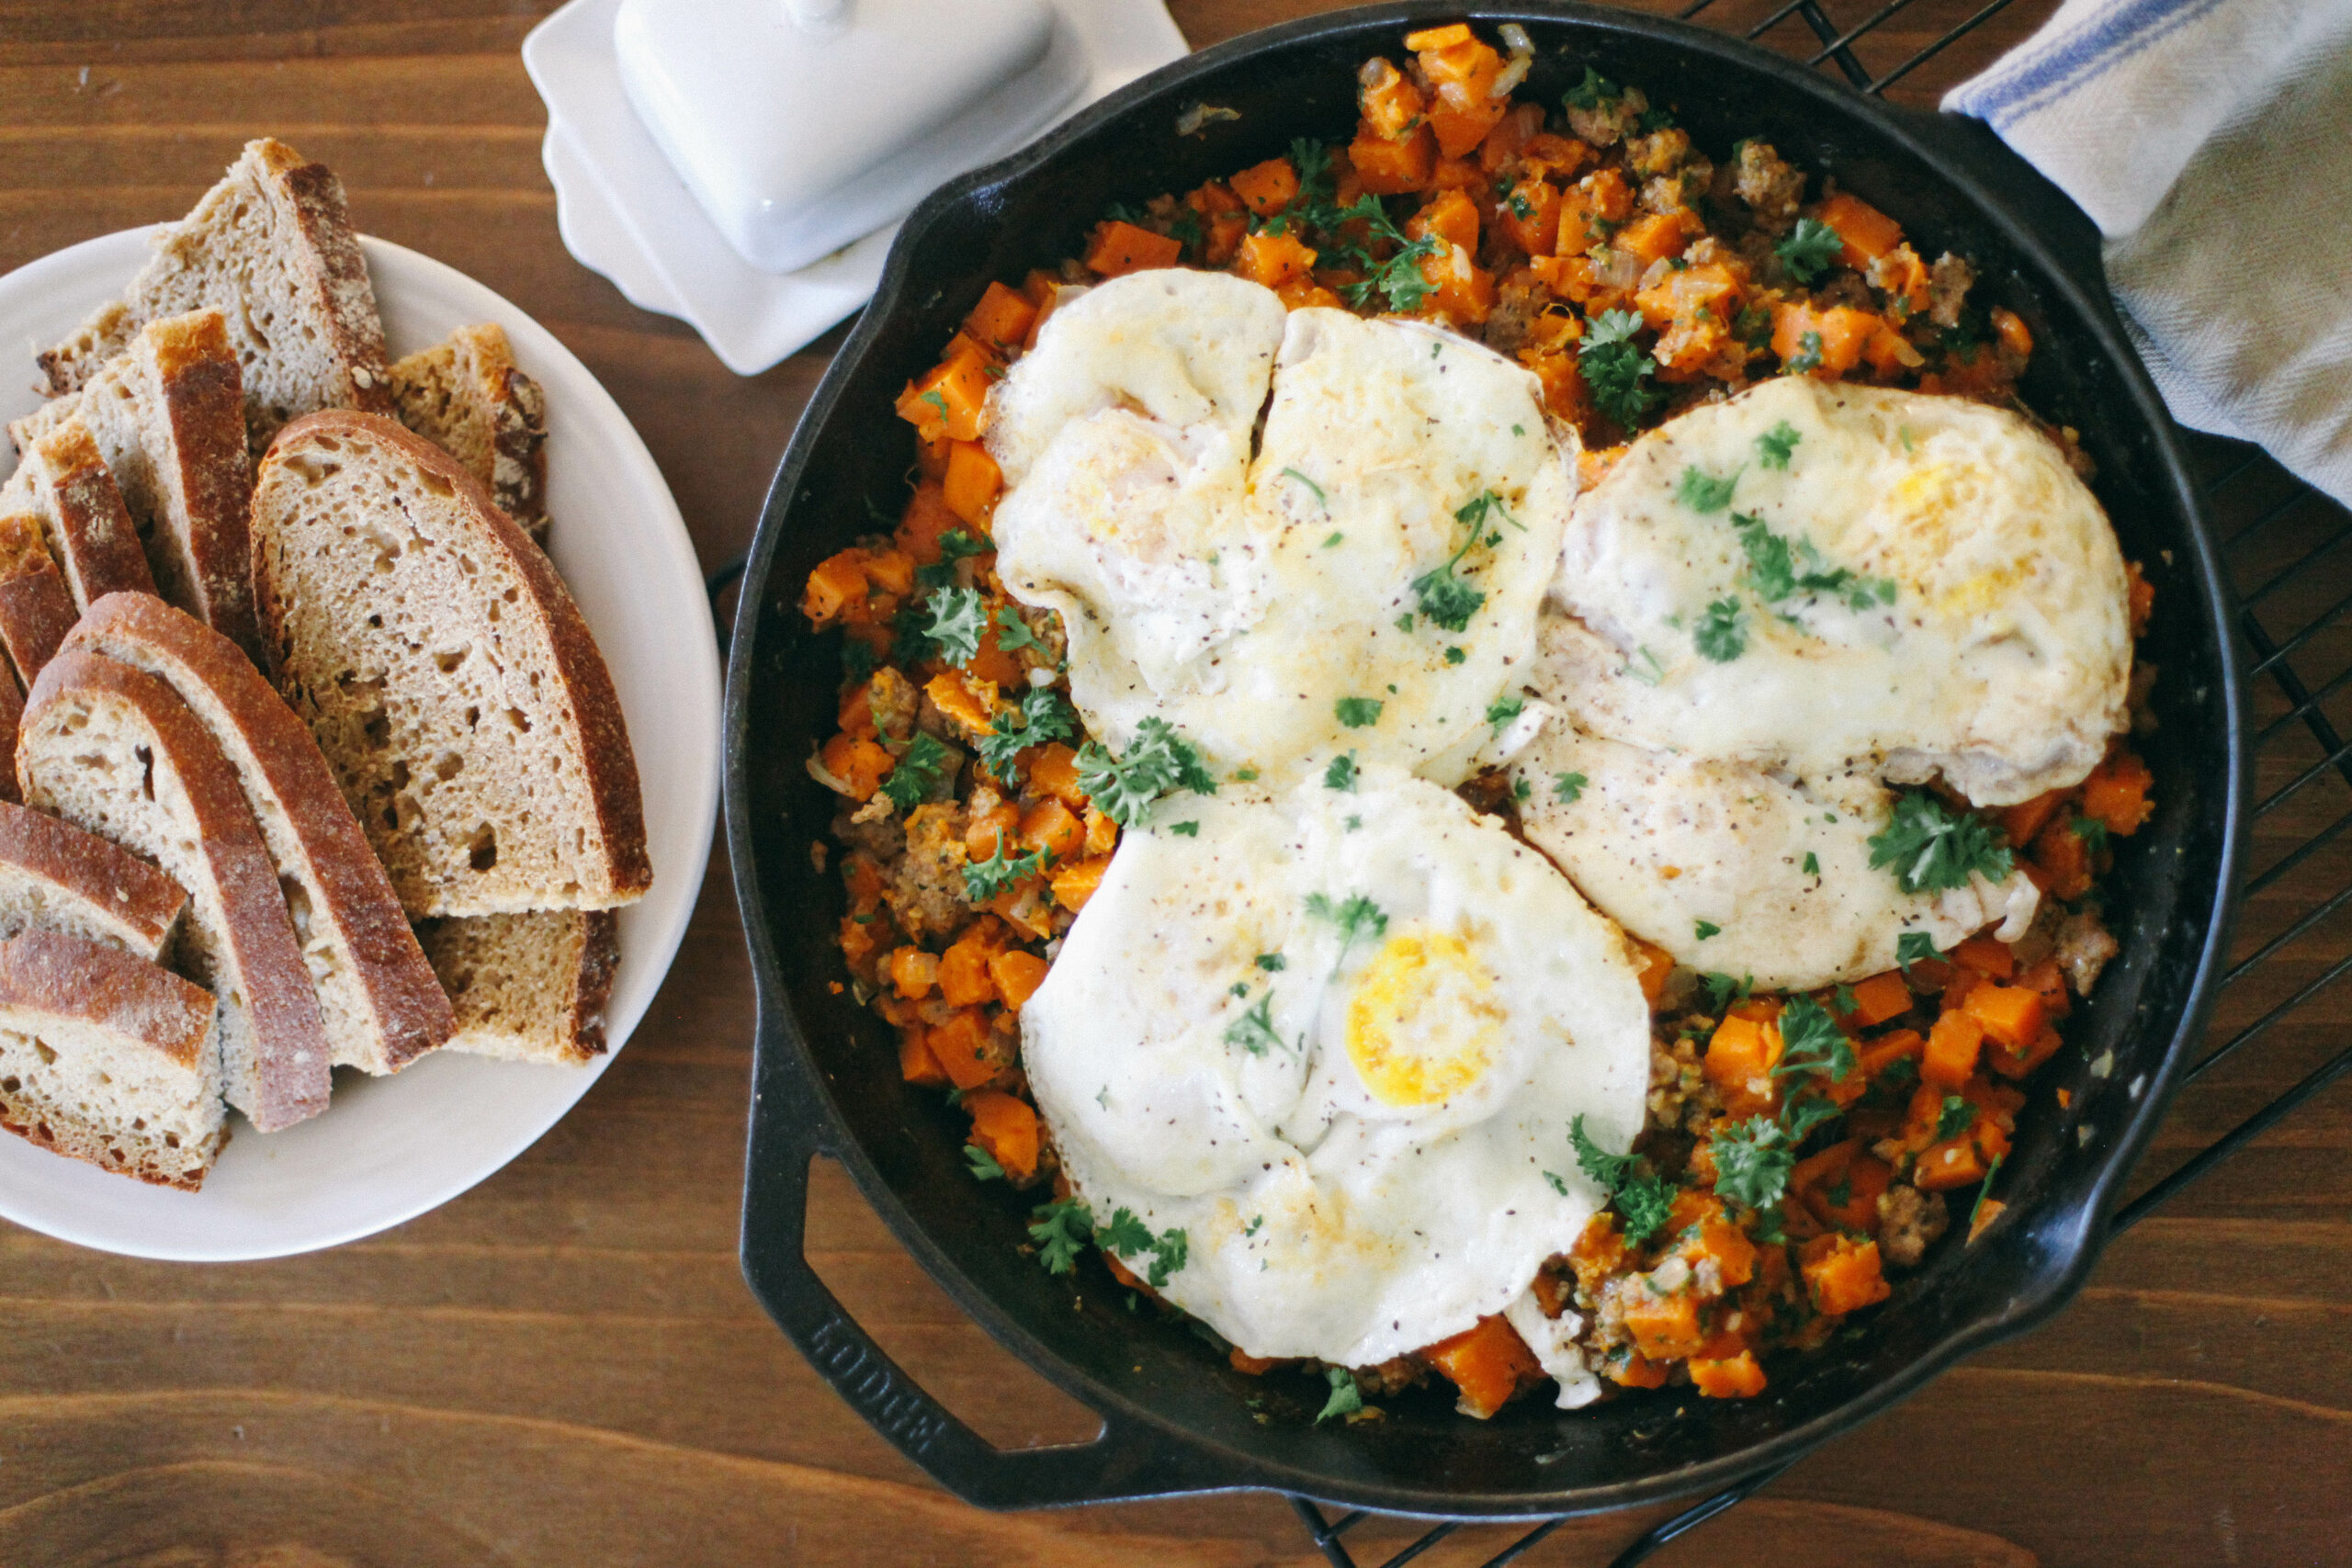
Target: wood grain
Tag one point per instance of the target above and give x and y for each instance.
(563, 1367)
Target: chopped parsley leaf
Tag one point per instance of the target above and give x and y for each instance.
(1956, 1117)
(1342, 773)
(1642, 1199)
(1346, 1397)
(1722, 991)
(1131, 1238)
(918, 772)
(1502, 710)
(984, 880)
(1811, 249)
(1355, 916)
(2091, 832)
(1272, 963)
(1932, 849)
(1062, 1230)
(1356, 713)
(1594, 92)
(1812, 864)
(1159, 761)
(1566, 788)
(1808, 355)
(1774, 448)
(1013, 633)
(1476, 510)
(958, 617)
(1913, 946)
(1185, 829)
(1752, 1162)
(1811, 1042)
(984, 1167)
(1040, 716)
(1445, 599)
(1720, 635)
(954, 545)
(1521, 790)
(1614, 367)
(1703, 493)
(1455, 656)
(1254, 1030)
(1335, 538)
(1705, 928)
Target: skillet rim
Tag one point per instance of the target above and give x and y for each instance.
(1929, 139)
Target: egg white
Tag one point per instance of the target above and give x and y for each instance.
(1664, 844)
(1387, 1159)
(1243, 591)
(1999, 662)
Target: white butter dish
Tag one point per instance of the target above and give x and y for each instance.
(799, 126)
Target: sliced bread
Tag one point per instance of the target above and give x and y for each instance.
(468, 397)
(55, 878)
(382, 1005)
(270, 246)
(36, 609)
(165, 416)
(107, 1058)
(64, 481)
(528, 987)
(12, 716)
(448, 674)
(114, 750)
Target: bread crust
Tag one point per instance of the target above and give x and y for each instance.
(289, 1035)
(36, 610)
(332, 261)
(119, 888)
(95, 541)
(12, 718)
(507, 1019)
(206, 551)
(587, 685)
(273, 754)
(467, 395)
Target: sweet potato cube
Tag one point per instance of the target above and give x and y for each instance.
(2025, 819)
(1273, 260)
(972, 482)
(1655, 963)
(1877, 999)
(2022, 1063)
(948, 399)
(964, 977)
(1740, 1062)
(860, 764)
(962, 1045)
(1052, 826)
(1018, 973)
(913, 972)
(1987, 957)
(1054, 771)
(1664, 1327)
(916, 1063)
(1002, 317)
(1007, 1129)
(2117, 793)
(1392, 168)
(2011, 1015)
(1953, 1047)
(1868, 233)
(1655, 236)
(1390, 101)
(1955, 1162)
(1266, 188)
(1487, 1363)
(1117, 248)
(1739, 1377)
(1843, 1274)
(1074, 884)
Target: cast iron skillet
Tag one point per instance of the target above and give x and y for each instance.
(826, 1077)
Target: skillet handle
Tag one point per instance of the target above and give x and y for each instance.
(790, 1125)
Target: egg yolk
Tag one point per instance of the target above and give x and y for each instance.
(1423, 1024)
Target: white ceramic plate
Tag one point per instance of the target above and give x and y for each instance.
(389, 1150)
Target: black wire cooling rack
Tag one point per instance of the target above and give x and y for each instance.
(2277, 538)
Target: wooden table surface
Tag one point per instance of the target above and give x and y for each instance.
(563, 1366)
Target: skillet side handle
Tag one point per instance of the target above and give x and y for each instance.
(790, 1126)
(1971, 150)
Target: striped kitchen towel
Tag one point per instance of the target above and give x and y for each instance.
(2212, 143)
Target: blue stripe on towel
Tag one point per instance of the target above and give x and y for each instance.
(2124, 31)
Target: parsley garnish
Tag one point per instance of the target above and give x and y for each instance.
(1254, 1030)
(1932, 851)
(1594, 92)
(1272, 963)
(1984, 1192)
(1752, 1162)
(1703, 493)
(1131, 1238)
(1642, 1199)
(1310, 484)
(1335, 538)
(958, 617)
(1185, 829)
(1445, 598)
(1342, 773)
(1568, 786)
(1810, 250)
(2091, 832)
(1813, 868)
(1645, 667)
(917, 773)
(1346, 1397)
(1614, 367)
(1705, 928)
(1722, 991)
(1040, 716)
(1013, 633)
(1475, 512)
(1774, 447)
(1779, 568)
(1159, 761)
(1355, 917)
(984, 880)
(1455, 654)
(1358, 711)
(1720, 636)
(1913, 946)
(984, 1167)
(954, 545)
(1400, 276)
(1811, 1042)
(1062, 1230)
(1956, 1117)
(1808, 355)
(1502, 710)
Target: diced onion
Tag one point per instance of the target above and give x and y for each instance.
(1196, 115)
(1522, 57)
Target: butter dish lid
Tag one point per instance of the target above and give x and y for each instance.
(625, 211)
(800, 125)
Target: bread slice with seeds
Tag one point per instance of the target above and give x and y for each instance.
(271, 248)
(165, 416)
(66, 482)
(55, 878)
(382, 1005)
(468, 397)
(105, 1057)
(114, 750)
(450, 679)
(528, 987)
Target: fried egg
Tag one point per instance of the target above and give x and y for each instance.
(1338, 1040)
(1739, 871)
(1813, 577)
(1364, 575)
